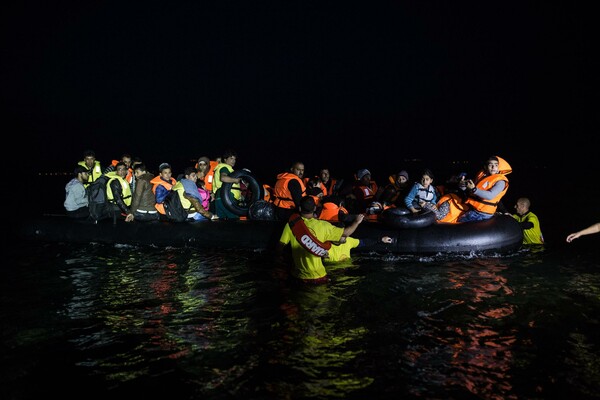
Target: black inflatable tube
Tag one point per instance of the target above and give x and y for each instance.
(252, 194)
(499, 234)
(403, 218)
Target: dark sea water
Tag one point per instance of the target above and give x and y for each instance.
(139, 322)
(119, 321)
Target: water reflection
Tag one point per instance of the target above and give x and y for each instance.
(130, 322)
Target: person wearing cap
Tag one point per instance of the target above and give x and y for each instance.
(393, 193)
(364, 192)
(76, 201)
(309, 239)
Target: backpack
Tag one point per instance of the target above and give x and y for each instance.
(97, 199)
(173, 208)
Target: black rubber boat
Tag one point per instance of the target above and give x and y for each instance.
(500, 234)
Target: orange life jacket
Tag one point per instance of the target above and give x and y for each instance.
(456, 208)
(156, 181)
(485, 182)
(281, 194)
(331, 212)
(210, 175)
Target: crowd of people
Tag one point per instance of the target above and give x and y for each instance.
(322, 212)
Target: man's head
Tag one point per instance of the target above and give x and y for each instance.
(522, 205)
(191, 173)
(298, 169)
(364, 175)
(81, 173)
(121, 169)
(307, 205)
(89, 157)
(139, 169)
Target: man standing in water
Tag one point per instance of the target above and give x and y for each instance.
(310, 238)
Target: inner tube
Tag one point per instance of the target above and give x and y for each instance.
(251, 192)
(403, 218)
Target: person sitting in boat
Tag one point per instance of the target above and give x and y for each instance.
(92, 165)
(324, 182)
(423, 194)
(127, 160)
(309, 239)
(314, 189)
(206, 175)
(76, 200)
(288, 191)
(393, 193)
(190, 197)
(143, 202)
(118, 191)
(484, 195)
(362, 193)
(532, 233)
(222, 172)
(161, 185)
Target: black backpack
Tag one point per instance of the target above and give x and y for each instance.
(173, 208)
(97, 200)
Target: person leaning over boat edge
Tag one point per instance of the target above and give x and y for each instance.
(309, 239)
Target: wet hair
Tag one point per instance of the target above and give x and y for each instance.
(307, 205)
(89, 153)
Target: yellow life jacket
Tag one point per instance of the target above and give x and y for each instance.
(125, 188)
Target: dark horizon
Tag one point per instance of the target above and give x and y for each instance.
(346, 87)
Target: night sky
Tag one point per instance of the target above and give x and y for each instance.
(346, 85)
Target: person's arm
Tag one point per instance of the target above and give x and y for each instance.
(115, 186)
(595, 228)
(198, 206)
(491, 193)
(135, 200)
(410, 197)
(295, 191)
(224, 176)
(349, 230)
